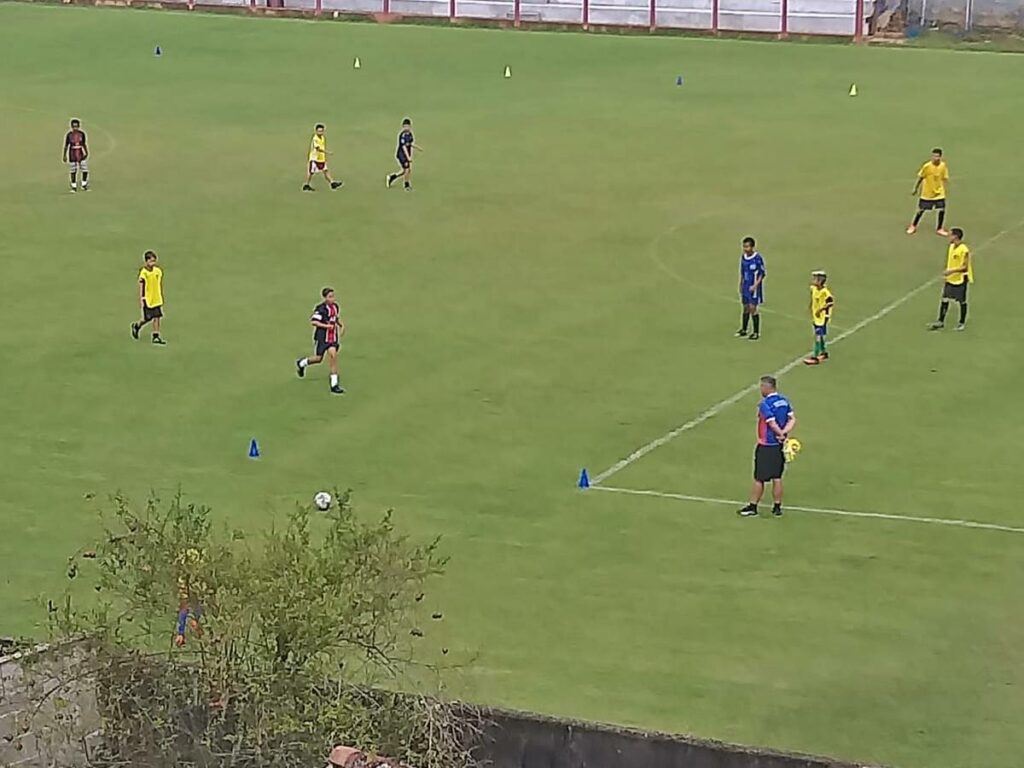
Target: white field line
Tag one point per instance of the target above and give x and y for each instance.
(819, 510)
(734, 398)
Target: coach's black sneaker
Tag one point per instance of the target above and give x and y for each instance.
(938, 325)
(337, 389)
(755, 336)
(748, 511)
(336, 184)
(135, 330)
(776, 510)
(307, 188)
(740, 333)
(158, 340)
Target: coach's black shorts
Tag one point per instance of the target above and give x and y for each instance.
(928, 205)
(955, 292)
(322, 347)
(769, 463)
(150, 313)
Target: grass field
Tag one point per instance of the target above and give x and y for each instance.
(558, 291)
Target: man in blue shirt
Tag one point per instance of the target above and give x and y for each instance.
(752, 274)
(775, 422)
(403, 154)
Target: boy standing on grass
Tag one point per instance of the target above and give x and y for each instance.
(822, 302)
(752, 274)
(76, 154)
(931, 183)
(151, 297)
(406, 144)
(958, 273)
(775, 422)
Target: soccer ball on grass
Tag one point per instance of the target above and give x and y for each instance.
(322, 501)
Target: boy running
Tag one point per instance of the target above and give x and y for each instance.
(151, 297)
(329, 329)
(406, 144)
(752, 274)
(318, 160)
(76, 154)
(931, 183)
(822, 302)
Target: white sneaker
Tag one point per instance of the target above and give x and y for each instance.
(74, 187)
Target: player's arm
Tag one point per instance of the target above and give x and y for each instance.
(142, 292)
(317, 322)
(826, 310)
(67, 145)
(918, 182)
(341, 326)
(790, 426)
(85, 148)
(960, 271)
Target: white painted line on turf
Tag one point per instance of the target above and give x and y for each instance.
(819, 510)
(720, 406)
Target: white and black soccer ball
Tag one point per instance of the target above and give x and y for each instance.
(322, 501)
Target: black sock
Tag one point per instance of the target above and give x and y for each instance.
(917, 217)
(943, 309)
(85, 177)
(746, 320)
(72, 177)
(407, 185)
(942, 219)
(757, 323)
(392, 177)
(963, 313)
(776, 506)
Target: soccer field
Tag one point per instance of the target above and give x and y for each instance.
(558, 291)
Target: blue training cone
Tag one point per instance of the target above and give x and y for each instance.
(679, 80)
(157, 51)
(584, 479)
(254, 450)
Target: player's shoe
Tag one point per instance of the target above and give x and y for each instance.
(748, 511)
(74, 187)
(299, 369)
(307, 188)
(754, 336)
(942, 232)
(776, 510)
(938, 325)
(389, 180)
(740, 333)
(85, 186)
(960, 327)
(336, 184)
(158, 340)
(823, 357)
(135, 330)
(911, 229)
(337, 389)
(812, 360)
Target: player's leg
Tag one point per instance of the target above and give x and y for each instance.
(327, 175)
(947, 294)
(963, 307)
(84, 168)
(813, 358)
(310, 170)
(822, 333)
(745, 322)
(921, 208)
(74, 176)
(940, 228)
(332, 360)
(777, 496)
(158, 314)
(393, 177)
(757, 490)
(407, 175)
(755, 317)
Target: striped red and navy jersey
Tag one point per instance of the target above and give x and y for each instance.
(326, 313)
(74, 145)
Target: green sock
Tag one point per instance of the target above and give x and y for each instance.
(822, 342)
(817, 345)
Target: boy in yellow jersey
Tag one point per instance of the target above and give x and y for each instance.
(151, 297)
(318, 160)
(958, 273)
(931, 183)
(822, 303)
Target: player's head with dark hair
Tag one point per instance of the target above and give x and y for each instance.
(328, 294)
(768, 384)
(748, 245)
(406, 122)
(149, 256)
(75, 122)
(937, 155)
(956, 234)
(818, 277)
(319, 128)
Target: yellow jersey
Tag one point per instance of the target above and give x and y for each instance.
(957, 257)
(821, 305)
(152, 286)
(933, 180)
(318, 149)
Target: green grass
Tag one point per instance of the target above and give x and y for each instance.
(558, 291)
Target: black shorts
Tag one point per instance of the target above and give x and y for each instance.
(955, 292)
(403, 162)
(928, 205)
(769, 463)
(150, 313)
(321, 347)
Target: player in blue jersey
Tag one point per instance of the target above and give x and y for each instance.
(403, 153)
(775, 422)
(752, 274)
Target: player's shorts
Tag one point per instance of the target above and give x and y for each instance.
(78, 165)
(320, 347)
(821, 330)
(955, 292)
(403, 162)
(769, 463)
(151, 313)
(928, 205)
(751, 299)
(315, 166)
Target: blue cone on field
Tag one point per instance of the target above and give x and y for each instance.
(584, 479)
(157, 52)
(254, 450)
(679, 80)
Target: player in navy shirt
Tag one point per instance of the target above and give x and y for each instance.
(752, 274)
(775, 422)
(403, 153)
